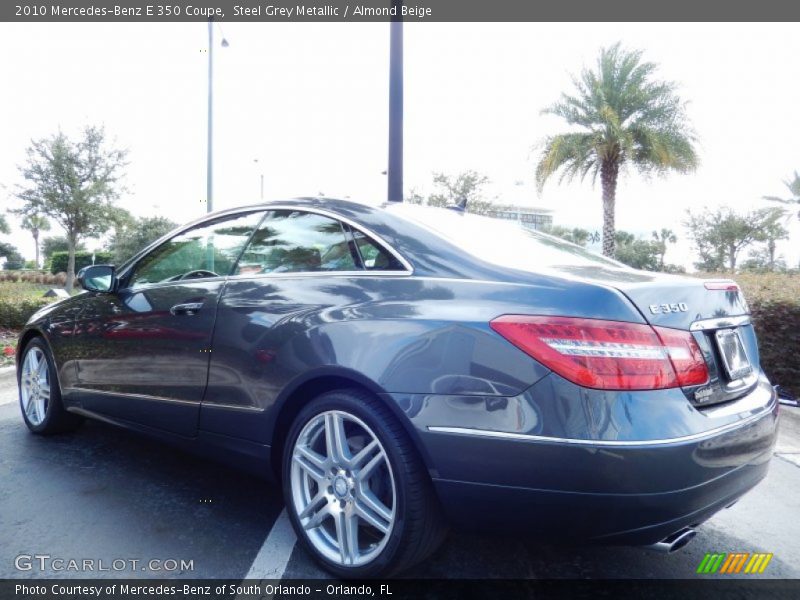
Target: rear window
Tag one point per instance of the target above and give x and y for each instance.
(501, 242)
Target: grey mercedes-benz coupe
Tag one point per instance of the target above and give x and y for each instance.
(400, 369)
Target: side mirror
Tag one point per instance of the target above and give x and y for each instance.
(97, 278)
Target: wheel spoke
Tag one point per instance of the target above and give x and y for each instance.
(319, 516)
(40, 409)
(347, 537)
(311, 462)
(373, 511)
(364, 454)
(41, 370)
(30, 407)
(33, 365)
(313, 504)
(336, 439)
(364, 474)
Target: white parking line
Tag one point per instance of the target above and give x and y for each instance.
(8, 385)
(271, 560)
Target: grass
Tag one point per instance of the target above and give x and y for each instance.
(22, 290)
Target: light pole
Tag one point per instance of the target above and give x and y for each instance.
(255, 160)
(210, 149)
(394, 192)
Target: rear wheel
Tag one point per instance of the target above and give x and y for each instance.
(357, 494)
(40, 394)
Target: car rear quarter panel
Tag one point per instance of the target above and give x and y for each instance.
(403, 334)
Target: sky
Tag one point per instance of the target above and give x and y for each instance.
(305, 105)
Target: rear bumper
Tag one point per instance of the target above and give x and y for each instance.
(610, 490)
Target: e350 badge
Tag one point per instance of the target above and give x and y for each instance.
(663, 309)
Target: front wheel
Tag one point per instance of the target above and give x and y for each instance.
(357, 493)
(40, 394)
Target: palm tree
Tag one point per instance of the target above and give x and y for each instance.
(794, 189)
(35, 224)
(621, 116)
(662, 238)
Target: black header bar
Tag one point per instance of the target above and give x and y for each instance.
(412, 11)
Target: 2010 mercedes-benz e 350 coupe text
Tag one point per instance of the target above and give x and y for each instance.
(403, 368)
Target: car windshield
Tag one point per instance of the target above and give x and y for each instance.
(501, 242)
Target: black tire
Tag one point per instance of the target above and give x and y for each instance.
(56, 419)
(418, 528)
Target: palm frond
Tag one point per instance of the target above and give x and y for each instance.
(572, 153)
(630, 116)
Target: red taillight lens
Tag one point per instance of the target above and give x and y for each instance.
(607, 355)
(726, 286)
(685, 356)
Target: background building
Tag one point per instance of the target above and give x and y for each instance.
(530, 218)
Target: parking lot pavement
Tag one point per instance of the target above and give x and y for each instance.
(103, 493)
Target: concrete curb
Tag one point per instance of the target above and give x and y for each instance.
(7, 374)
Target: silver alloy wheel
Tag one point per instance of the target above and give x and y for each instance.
(35, 386)
(343, 488)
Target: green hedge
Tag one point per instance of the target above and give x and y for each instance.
(774, 300)
(18, 301)
(15, 313)
(777, 324)
(59, 260)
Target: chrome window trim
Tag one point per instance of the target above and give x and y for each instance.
(524, 437)
(126, 267)
(295, 274)
(720, 323)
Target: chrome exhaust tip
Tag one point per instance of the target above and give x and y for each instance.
(674, 542)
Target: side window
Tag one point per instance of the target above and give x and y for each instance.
(373, 256)
(208, 250)
(291, 241)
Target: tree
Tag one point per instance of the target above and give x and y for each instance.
(770, 233)
(74, 183)
(135, 235)
(624, 117)
(4, 228)
(662, 238)
(453, 190)
(721, 234)
(760, 260)
(794, 189)
(14, 259)
(576, 235)
(636, 253)
(35, 224)
(57, 243)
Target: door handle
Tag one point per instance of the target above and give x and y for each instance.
(190, 308)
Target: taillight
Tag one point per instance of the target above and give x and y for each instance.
(725, 286)
(607, 355)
